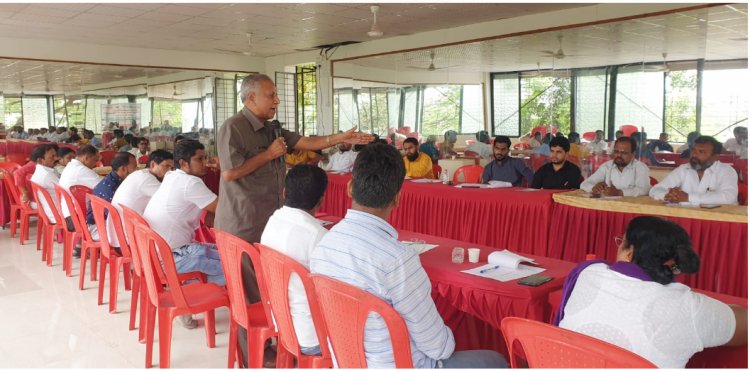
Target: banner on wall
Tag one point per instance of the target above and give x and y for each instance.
(121, 115)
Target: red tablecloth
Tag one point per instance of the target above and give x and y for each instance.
(473, 306)
(722, 246)
(500, 218)
(7, 146)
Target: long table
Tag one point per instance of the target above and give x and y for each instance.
(473, 306)
(584, 226)
(512, 218)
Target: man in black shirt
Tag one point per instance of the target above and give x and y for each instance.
(661, 145)
(558, 173)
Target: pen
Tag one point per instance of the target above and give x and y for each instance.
(489, 269)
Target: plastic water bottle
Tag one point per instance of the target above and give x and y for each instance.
(444, 177)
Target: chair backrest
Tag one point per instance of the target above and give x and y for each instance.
(345, 309)
(538, 160)
(39, 193)
(741, 166)
(472, 174)
(79, 193)
(131, 218)
(471, 154)
(436, 170)
(151, 247)
(521, 146)
(469, 142)
(742, 193)
(277, 270)
(231, 249)
(652, 181)
(597, 160)
(628, 130)
(107, 157)
(19, 158)
(589, 135)
(143, 159)
(102, 209)
(548, 346)
(77, 215)
(10, 186)
(9, 166)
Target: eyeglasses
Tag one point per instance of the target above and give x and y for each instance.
(618, 241)
(621, 152)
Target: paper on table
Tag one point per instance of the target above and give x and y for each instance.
(425, 180)
(467, 185)
(499, 184)
(506, 258)
(504, 273)
(420, 247)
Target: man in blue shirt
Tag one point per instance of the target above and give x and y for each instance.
(363, 250)
(123, 164)
(430, 149)
(544, 148)
(504, 167)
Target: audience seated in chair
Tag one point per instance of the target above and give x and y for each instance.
(45, 175)
(558, 173)
(363, 250)
(622, 176)
(343, 159)
(482, 145)
(418, 165)
(294, 231)
(79, 171)
(122, 165)
(504, 167)
(704, 180)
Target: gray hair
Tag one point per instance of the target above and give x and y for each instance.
(251, 83)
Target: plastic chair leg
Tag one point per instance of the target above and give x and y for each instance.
(114, 280)
(232, 355)
(165, 338)
(25, 220)
(126, 271)
(94, 255)
(210, 322)
(68, 254)
(14, 214)
(143, 322)
(255, 350)
(134, 303)
(82, 272)
(39, 234)
(102, 272)
(150, 318)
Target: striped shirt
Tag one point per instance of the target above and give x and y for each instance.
(363, 250)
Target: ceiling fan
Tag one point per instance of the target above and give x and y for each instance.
(560, 53)
(175, 92)
(248, 52)
(431, 66)
(375, 31)
(663, 67)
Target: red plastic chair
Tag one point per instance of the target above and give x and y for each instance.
(589, 135)
(20, 158)
(90, 250)
(652, 180)
(469, 142)
(9, 166)
(538, 160)
(597, 160)
(471, 154)
(255, 317)
(143, 159)
(740, 165)
(278, 269)
(139, 291)
(109, 256)
(742, 193)
(345, 310)
(628, 130)
(548, 346)
(176, 299)
(46, 227)
(521, 146)
(107, 157)
(472, 174)
(81, 231)
(18, 209)
(436, 170)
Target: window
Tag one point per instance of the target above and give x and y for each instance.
(167, 110)
(472, 109)
(725, 98)
(545, 101)
(591, 100)
(680, 92)
(35, 111)
(505, 96)
(442, 109)
(307, 99)
(640, 99)
(345, 111)
(13, 111)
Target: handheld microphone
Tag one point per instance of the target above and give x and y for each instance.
(276, 126)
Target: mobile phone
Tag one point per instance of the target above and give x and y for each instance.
(535, 280)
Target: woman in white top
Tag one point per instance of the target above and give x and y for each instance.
(635, 303)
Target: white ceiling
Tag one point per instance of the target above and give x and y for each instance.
(714, 33)
(276, 28)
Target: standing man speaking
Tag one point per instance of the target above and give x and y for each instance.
(251, 151)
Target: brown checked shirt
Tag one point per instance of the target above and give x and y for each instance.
(246, 204)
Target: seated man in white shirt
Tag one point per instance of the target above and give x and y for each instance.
(137, 189)
(598, 145)
(45, 176)
(704, 180)
(343, 159)
(294, 231)
(363, 250)
(738, 142)
(175, 209)
(481, 146)
(79, 172)
(624, 175)
(141, 149)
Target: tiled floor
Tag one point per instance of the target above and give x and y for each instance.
(45, 321)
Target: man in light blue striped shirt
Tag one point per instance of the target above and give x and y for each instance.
(363, 250)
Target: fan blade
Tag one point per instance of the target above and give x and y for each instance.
(550, 52)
